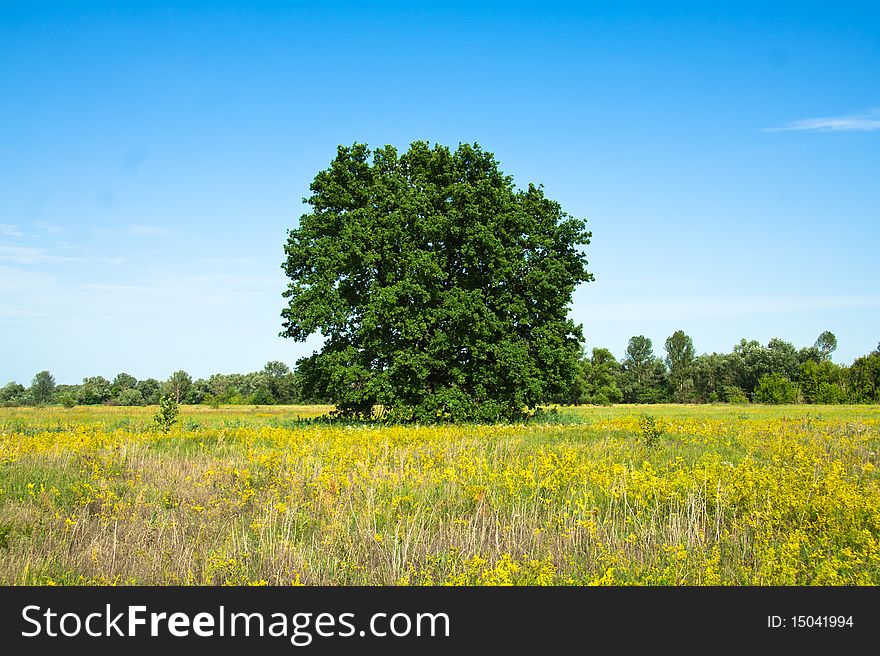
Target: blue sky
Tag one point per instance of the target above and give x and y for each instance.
(152, 158)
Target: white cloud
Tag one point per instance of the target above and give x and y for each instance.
(174, 298)
(70, 246)
(142, 230)
(48, 227)
(859, 122)
(24, 255)
(718, 308)
(25, 293)
(226, 261)
(9, 230)
(13, 279)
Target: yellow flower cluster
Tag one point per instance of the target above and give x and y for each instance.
(723, 496)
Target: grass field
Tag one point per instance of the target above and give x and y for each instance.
(669, 495)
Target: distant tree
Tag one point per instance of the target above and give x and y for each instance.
(826, 344)
(680, 355)
(238, 389)
(261, 393)
(441, 289)
(831, 394)
(247, 385)
(122, 382)
(642, 374)
(13, 394)
(600, 378)
(808, 353)
(749, 362)
(217, 386)
(66, 398)
(822, 382)
(864, 378)
(282, 382)
(178, 386)
(639, 357)
(776, 389)
(734, 394)
(67, 395)
(783, 358)
(94, 390)
(276, 369)
(711, 374)
(129, 396)
(575, 393)
(42, 389)
(151, 390)
(199, 392)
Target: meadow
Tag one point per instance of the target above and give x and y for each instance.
(620, 495)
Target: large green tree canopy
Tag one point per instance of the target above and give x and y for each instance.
(442, 291)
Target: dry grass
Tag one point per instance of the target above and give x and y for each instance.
(730, 495)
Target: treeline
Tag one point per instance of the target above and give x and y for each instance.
(275, 384)
(775, 373)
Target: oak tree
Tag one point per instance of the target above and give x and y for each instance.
(441, 290)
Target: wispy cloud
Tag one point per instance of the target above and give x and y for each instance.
(25, 293)
(164, 299)
(76, 327)
(9, 230)
(70, 246)
(226, 261)
(24, 255)
(48, 227)
(142, 230)
(859, 122)
(716, 308)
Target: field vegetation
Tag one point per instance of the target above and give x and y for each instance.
(615, 495)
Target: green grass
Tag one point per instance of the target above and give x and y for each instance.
(738, 495)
